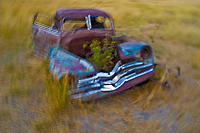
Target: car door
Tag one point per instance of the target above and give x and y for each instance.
(44, 34)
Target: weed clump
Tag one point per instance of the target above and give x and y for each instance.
(102, 53)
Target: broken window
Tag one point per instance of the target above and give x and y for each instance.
(44, 20)
(100, 22)
(74, 23)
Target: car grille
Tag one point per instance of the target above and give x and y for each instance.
(111, 81)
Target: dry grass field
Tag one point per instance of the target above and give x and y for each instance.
(31, 102)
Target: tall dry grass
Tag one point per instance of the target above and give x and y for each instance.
(171, 15)
(31, 102)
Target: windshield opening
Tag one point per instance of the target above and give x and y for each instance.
(100, 22)
(74, 23)
(81, 22)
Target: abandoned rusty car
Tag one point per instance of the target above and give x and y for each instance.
(61, 40)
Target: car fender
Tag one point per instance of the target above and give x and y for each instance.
(134, 50)
(63, 62)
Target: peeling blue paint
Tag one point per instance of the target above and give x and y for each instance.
(133, 60)
(131, 48)
(62, 62)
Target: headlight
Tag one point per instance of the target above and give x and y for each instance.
(146, 52)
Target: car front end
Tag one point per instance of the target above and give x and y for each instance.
(134, 65)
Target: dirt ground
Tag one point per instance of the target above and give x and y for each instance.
(170, 27)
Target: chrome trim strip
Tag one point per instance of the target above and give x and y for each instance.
(116, 69)
(85, 94)
(118, 76)
(123, 80)
(93, 86)
(92, 80)
(89, 22)
(107, 88)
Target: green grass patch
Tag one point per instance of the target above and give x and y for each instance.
(196, 61)
(43, 126)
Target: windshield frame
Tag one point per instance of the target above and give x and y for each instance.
(88, 22)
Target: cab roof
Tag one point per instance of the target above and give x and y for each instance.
(81, 12)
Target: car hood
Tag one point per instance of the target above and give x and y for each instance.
(62, 62)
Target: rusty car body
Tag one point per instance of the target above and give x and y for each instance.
(60, 40)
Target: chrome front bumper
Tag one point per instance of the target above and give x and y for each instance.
(111, 81)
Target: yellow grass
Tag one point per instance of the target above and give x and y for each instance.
(31, 102)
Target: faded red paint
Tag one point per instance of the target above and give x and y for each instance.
(74, 41)
(132, 63)
(71, 40)
(43, 40)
